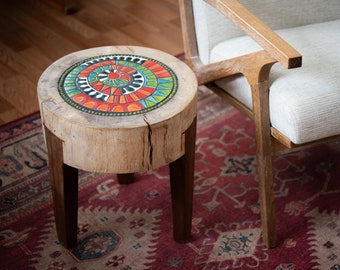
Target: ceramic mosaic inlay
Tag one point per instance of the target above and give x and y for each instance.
(118, 85)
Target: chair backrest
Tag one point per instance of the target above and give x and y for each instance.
(212, 27)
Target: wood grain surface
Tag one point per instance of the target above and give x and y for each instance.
(33, 34)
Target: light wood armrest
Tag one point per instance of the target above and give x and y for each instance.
(247, 65)
(277, 48)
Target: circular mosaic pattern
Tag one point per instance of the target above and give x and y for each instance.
(118, 85)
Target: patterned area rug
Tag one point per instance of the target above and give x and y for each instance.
(129, 227)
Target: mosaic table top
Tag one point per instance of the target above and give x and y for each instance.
(117, 85)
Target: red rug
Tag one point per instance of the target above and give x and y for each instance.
(129, 227)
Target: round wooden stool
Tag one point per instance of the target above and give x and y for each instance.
(119, 110)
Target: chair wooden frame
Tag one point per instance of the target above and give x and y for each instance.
(256, 69)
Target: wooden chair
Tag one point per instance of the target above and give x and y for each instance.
(233, 52)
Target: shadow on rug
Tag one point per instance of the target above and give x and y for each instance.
(129, 227)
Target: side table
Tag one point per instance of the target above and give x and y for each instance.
(122, 110)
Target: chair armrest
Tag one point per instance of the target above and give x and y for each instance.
(251, 65)
(277, 48)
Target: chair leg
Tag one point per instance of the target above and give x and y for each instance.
(264, 162)
(64, 183)
(182, 183)
(266, 196)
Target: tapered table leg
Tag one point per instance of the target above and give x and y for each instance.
(64, 183)
(182, 183)
(125, 178)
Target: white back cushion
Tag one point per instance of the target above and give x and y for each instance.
(212, 27)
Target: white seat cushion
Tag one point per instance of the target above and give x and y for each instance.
(304, 102)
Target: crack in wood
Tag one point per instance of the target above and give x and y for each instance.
(150, 142)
